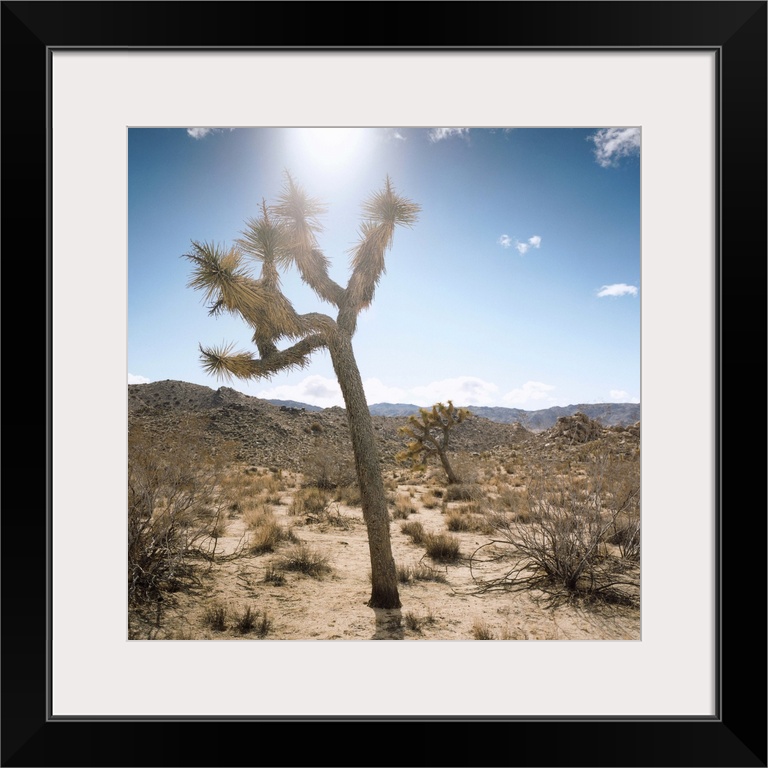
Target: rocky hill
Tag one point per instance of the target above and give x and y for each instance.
(268, 434)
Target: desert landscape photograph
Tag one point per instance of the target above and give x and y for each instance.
(384, 384)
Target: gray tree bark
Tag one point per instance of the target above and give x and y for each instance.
(384, 592)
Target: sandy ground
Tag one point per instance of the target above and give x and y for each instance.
(334, 607)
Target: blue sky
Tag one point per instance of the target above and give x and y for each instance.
(519, 286)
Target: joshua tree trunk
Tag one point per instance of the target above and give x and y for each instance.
(452, 478)
(384, 592)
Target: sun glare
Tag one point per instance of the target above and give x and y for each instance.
(332, 151)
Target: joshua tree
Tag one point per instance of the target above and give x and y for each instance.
(430, 431)
(285, 236)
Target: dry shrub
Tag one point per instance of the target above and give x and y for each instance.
(252, 481)
(250, 621)
(442, 547)
(305, 559)
(415, 530)
(349, 495)
(328, 467)
(176, 507)
(253, 486)
(404, 507)
(266, 533)
(481, 630)
(215, 617)
(458, 520)
(273, 576)
(625, 535)
(419, 572)
(430, 500)
(310, 501)
(464, 492)
(390, 483)
(562, 546)
(412, 622)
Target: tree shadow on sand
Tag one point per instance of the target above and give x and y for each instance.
(389, 624)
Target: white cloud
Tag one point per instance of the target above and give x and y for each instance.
(438, 134)
(611, 144)
(198, 133)
(535, 391)
(314, 390)
(138, 379)
(505, 241)
(462, 390)
(393, 133)
(378, 392)
(532, 242)
(617, 289)
(622, 396)
(201, 133)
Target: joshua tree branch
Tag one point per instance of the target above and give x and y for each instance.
(225, 363)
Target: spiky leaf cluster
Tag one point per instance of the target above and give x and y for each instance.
(285, 236)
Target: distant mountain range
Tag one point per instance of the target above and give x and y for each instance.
(285, 433)
(608, 414)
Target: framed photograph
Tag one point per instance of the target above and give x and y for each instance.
(688, 82)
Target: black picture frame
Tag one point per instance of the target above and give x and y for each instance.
(736, 736)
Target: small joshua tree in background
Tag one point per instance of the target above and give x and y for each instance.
(430, 433)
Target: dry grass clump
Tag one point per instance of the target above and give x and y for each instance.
(349, 495)
(407, 574)
(464, 492)
(462, 519)
(253, 486)
(273, 576)
(250, 621)
(404, 507)
(302, 558)
(266, 533)
(310, 501)
(415, 530)
(253, 481)
(328, 467)
(217, 618)
(430, 499)
(391, 483)
(415, 623)
(481, 630)
(442, 547)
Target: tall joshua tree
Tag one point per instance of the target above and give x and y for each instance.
(284, 236)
